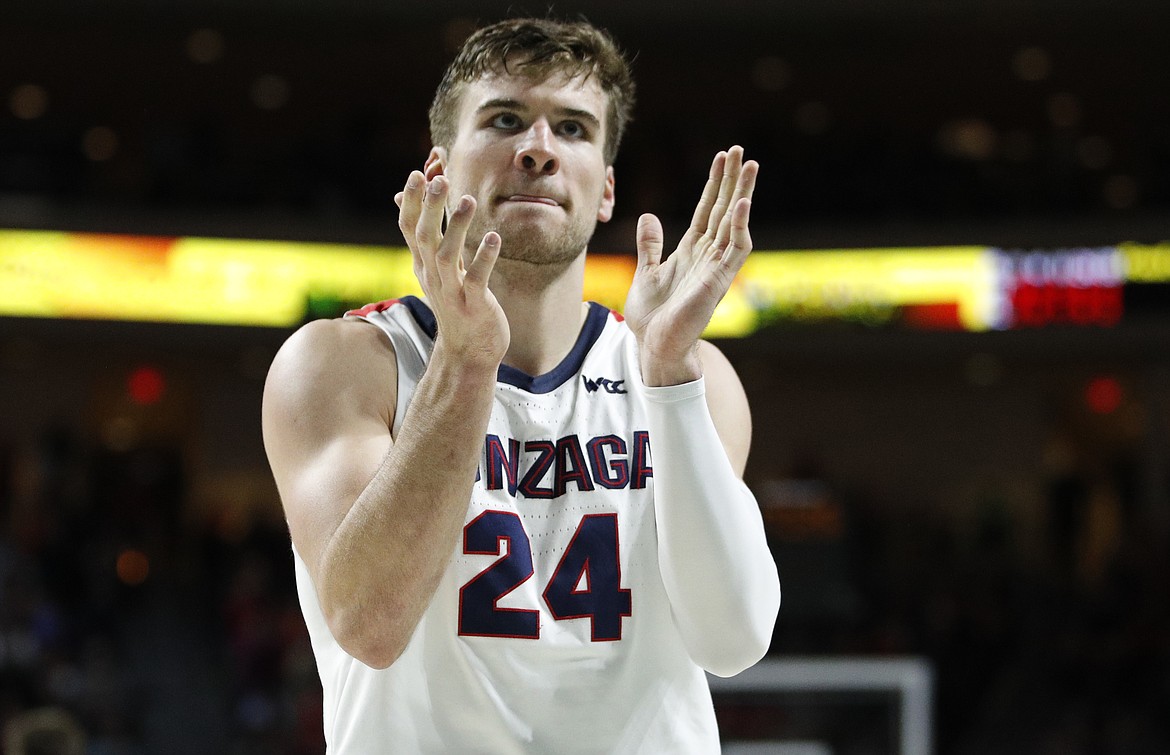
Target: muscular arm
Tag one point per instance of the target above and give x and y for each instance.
(373, 521)
(376, 517)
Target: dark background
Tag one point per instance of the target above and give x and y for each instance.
(956, 496)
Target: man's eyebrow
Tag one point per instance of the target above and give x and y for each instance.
(500, 102)
(507, 103)
(584, 115)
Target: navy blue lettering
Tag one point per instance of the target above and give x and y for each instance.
(609, 386)
(591, 560)
(499, 461)
(642, 469)
(479, 614)
(610, 473)
(571, 466)
(544, 469)
(546, 455)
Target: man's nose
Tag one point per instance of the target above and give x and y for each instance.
(537, 151)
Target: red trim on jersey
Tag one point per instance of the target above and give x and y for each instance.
(616, 315)
(370, 309)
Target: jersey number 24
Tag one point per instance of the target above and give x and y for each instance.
(585, 584)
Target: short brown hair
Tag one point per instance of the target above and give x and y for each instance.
(537, 47)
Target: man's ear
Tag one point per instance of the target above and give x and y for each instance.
(605, 211)
(436, 164)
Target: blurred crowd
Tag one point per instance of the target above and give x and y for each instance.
(1060, 651)
(122, 620)
(128, 627)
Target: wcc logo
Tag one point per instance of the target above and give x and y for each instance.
(604, 384)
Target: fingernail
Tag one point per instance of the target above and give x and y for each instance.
(435, 187)
(412, 181)
(464, 203)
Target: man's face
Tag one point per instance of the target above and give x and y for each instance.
(530, 151)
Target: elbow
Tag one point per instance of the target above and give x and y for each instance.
(738, 651)
(363, 635)
(367, 621)
(377, 657)
(741, 647)
(732, 658)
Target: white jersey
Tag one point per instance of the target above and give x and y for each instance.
(550, 631)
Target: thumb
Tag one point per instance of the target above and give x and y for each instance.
(649, 241)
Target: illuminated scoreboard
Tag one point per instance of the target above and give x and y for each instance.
(1091, 286)
(964, 288)
(281, 284)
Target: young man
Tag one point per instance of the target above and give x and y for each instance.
(518, 520)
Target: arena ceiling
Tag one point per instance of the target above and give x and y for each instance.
(870, 117)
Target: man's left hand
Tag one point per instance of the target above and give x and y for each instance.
(670, 303)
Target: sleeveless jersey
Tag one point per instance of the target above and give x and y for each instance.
(550, 631)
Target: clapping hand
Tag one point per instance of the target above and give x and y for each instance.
(670, 303)
(472, 325)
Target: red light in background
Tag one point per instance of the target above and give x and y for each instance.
(1038, 305)
(146, 385)
(940, 316)
(132, 567)
(1103, 395)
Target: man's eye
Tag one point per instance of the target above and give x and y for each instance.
(573, 129)
(508, 121)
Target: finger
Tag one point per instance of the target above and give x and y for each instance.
(449, 258)
(480, 269)
(411, 205)
(740, 244)
(408, 211)
(702, 214)
(429, 231)
(744, 189)
(731, 170)
(747, 181)
(649, 241)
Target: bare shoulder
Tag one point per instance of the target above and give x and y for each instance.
(327, 374)
(330, 354)
(727, 403)
(326, 415)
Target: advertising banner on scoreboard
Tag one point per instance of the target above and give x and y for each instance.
(281, 284)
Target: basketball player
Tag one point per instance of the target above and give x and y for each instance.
(518, 519)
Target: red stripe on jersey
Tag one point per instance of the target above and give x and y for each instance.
(370, 309)
(616, 315)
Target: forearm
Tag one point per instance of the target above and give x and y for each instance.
(380, 568)
(718, 572)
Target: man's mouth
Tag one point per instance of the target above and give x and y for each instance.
(533, 199)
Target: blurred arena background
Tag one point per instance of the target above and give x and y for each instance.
(992, 500)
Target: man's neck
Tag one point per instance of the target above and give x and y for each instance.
(545, 312)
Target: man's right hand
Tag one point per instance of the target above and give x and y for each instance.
(472, 325)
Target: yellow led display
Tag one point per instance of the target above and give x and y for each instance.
(191, 280)
(868, 285)
(1146, 263)
(280, 283)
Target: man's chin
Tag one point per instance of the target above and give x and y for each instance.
(536, 245)
(537, 255)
